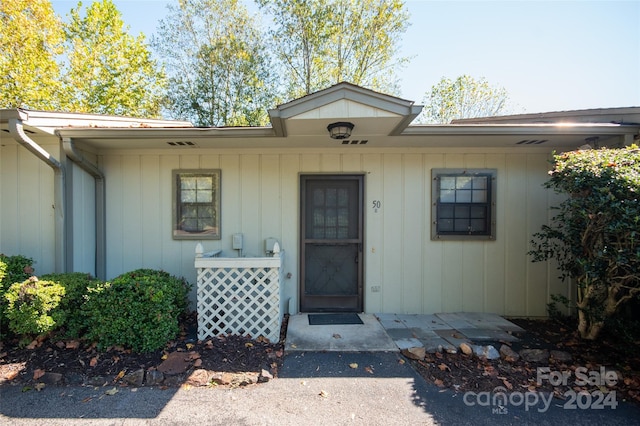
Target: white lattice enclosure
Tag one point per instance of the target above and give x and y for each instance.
(239, 296)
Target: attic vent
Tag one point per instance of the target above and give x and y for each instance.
(532, 141)
(181, 143)
(355, 142)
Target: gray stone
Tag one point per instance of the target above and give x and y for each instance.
(96, 381)
(417, 353)
(74, 379)
(153, 378)
(535, 355)
(561, 356)
(51, 378)
(509, 354)
(135, 378)
(486, 352)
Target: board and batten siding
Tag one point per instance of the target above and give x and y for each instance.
(27, 205)
(405, 271)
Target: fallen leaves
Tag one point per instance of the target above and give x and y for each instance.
(111, 392)
(119, 376)
(38, 373)
(353, 365)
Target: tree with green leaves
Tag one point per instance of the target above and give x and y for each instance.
(217, 62)
(464, 97)
(595, 235)
(109, 71)
(325, 42)
(30, 39)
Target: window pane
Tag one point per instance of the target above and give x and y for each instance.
(204, 196)
(463, 196)
(343, 197)
(187, 182)
(332, 196)
(461, 225)
(204, 182)
(445, 225)
(343, 217)
(464, 182)
(478, 212)
(478, 225)
(188, 196)
(447, 182)
(480, 182)
(448, 196)
(479, 196)
(461, 211)
(331, 217)
(318, 197)
(445, 211)
(190, 225)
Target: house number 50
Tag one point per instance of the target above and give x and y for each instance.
(376, 205)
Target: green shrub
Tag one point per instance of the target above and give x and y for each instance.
(138, 310)
(16, 270)
(595, 235)
(76, 286)
(13, 269)
(31, 307)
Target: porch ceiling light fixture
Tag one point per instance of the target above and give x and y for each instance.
(340, 130)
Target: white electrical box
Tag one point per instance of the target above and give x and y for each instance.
(236, 243)
(268, 245)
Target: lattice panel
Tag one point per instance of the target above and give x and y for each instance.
(239, 300)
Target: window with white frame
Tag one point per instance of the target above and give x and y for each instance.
(463, 204)
(196, 205)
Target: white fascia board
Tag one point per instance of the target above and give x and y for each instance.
(157, 133)
(518, 129)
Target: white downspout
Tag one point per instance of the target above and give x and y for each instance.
(16, 130)
(70, 150)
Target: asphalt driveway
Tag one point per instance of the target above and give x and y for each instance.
(314, 388)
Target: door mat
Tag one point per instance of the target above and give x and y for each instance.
(334, 319)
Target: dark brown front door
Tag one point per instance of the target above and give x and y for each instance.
(331, 243)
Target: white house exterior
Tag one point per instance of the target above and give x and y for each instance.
(97, 194)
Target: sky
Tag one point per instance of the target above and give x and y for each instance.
(548, 55)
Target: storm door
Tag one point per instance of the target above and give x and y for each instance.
(331, 243)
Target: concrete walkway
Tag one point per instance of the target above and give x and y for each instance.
(392, 332)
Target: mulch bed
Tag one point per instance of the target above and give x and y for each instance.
(226, 360)
(238, 361)
(467, 373)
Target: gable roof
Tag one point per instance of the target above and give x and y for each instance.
(373, 112)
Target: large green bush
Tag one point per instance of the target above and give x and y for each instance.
(76, 285)
(595, 236)
(138, 310)
(31, 307)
